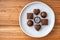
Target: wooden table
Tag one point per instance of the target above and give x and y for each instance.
(9, 20)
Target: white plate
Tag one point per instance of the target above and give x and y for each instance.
(30, 31)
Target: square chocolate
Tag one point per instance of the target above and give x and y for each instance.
(44, 21)
(29, 15)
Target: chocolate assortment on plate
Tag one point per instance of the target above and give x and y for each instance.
(38, 21)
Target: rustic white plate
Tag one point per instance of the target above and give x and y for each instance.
(30, 31)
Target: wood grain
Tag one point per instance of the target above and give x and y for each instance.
(9, 20)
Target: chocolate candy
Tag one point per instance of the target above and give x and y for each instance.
(36, 11)
(29, 15)
(44, 21)
(37, 27)
(43, 14)
(37, 20)
(30, 23)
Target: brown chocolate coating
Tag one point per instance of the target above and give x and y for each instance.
(37, 27)
(29, 15)
(44, 21)
(36, 11)
(30, 23)
(37, 20)
(43, 14)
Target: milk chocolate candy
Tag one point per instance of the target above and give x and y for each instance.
(44, 21)
(29, 15)
(37, 27)
(30, 23)
(43, 14)
(36, 11)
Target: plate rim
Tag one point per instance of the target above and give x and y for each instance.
(21, 14)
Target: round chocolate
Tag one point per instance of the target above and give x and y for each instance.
(43, 14)
(37, 20)
(36, 11)
(30, 23)
(37, 27)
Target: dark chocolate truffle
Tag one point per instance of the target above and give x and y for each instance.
(44, 21)
(36, 11)
(30, 23)
(37, 20)
(29, 15)
(43, 14)
(37, 27)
